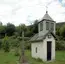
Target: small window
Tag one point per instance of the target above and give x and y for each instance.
(36, 49)
(41, 26)
(52, 26)
(47, 25)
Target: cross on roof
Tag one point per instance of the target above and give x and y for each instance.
(46, 8)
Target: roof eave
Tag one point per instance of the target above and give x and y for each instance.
(36, 41)
(46, 20)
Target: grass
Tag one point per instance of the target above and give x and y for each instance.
(10, 58)
(60, 58)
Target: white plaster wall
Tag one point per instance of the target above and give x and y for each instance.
(39, 49)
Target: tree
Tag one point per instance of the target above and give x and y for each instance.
(35, 26)
(62, 31)
(2, 31)
(20, 28)
(32, 29)
(10, 29)
(58, 31)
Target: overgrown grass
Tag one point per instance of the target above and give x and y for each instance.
(10, 58)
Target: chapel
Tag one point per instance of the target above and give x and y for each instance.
(43, 43)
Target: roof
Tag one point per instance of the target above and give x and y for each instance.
(37, 38)
(47, 17)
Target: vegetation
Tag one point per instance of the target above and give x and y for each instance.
(10, 39)
(6, 45)
(10, 58)
(60, 58)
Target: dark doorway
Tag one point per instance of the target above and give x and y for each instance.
(48, 50)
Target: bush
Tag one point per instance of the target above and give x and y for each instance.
(28, 45)
(60, 45)
(14, 42)
(0, 43)
(6, 45)
(17, 52)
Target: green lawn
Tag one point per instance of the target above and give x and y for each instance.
(10, 58)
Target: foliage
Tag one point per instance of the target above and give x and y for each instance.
(13, 32)
(60, 45)
(20, 28)
(35, 26)
(2, 31)
(28, 45)
(10, 29)
(17, 52)
(62, 31)
(6, 45)
(0, 43)
(58, 31)
(14, 42)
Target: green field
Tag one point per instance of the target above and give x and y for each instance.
(10, 58)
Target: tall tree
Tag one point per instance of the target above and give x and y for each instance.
(2, 31)
(35, 26)
(10, 29)
(58, 31)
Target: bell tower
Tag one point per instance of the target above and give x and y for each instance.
(46, 24)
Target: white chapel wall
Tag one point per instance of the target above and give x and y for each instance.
(39, 46)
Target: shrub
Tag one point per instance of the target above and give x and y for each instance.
(27, 45)
(6, 45)
(60, 45)
(17, 52)
(0, 43)
(14, 42)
